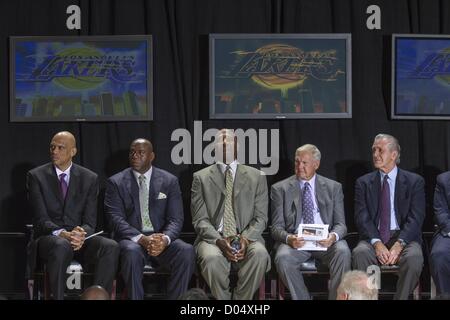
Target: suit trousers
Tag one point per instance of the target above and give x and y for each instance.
(288, 260)
(410, 265)
(215, 269)
(178, 258)
(440, 263)
(98, 254)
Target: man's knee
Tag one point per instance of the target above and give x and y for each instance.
(342, 251)
(110, 246)
(185, 252)
(61, 249)
(413, 263)
(130, 252)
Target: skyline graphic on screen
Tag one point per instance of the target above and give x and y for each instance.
(422, 76)
(81, 79)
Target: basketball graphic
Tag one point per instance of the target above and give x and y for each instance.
(82, 58)
(284, 80)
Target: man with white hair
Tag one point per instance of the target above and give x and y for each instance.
(356, 285)
(308, 198)
(389, 212)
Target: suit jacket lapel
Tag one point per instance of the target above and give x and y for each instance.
(400, 193)
(295, 195)
(133, 189)
(240, 180)
(320, 195)
(53, 182)
(155, 187)
(375, 188)
(74, 181)
(217, 178)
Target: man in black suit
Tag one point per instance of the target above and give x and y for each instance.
(63, 197)
(144, 207)
(440, 251)
(389, 212)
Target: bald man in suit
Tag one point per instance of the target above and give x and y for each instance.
(63, 196)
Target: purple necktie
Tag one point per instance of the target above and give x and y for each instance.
(63, 185)
(307, 204)
(385, 211)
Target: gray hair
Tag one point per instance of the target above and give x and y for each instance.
(393, 144)
(356, 285)
(311, 149)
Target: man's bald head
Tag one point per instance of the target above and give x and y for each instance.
(69, 137)
(95, 293)
(144, 142)
(62, 149)
(141, 155)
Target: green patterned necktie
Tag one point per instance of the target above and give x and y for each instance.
(229, 221)
(143, 201)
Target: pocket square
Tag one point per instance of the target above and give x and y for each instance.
(162, 196)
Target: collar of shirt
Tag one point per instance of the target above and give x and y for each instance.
(392, 175)
(233, 166)
(147, 174)
(67, 172)
(312, 183)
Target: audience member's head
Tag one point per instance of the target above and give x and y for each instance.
(95, 293)
(194, 294)
(355, 286)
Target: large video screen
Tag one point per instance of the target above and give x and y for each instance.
(280, 76)
(81, 78)
(420, 77)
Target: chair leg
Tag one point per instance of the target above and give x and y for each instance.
(281, 289)
(432, 288)
(31, 288)
(113, 290)
(262, 289)
(416, 292)
(273, 289)
(46, 286)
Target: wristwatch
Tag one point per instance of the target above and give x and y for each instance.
(402, 242)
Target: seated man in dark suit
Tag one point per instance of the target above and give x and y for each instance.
(389, 212)
(440, 251)
(63, 197)
(144, 207)
(307, 197)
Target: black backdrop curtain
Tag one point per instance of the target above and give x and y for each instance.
(180, 31)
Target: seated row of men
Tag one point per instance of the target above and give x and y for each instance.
(229, 206)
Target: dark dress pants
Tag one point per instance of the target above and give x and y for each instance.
(178, 258)
(98, 254)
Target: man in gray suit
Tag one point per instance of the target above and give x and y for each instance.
(306, 198)
(229, 206)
